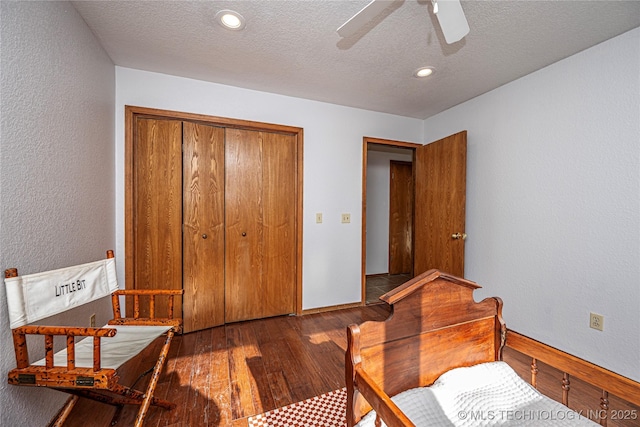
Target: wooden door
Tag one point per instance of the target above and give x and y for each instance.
(177, 186)
(203, 233)
(157, 207)
(440, 199)
(260, 221)
(400, 217)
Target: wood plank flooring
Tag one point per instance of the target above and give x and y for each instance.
(379, 284)
(220, 376)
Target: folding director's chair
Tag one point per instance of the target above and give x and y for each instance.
(87, 367)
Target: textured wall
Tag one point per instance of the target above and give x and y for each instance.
(56, 167)
(553, 200)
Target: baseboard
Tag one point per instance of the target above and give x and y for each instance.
(332, 308)
(376, 275)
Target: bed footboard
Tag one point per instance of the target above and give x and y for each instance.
(435, 326)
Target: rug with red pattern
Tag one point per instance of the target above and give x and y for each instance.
(326, 410)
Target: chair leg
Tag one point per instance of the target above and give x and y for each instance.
(65, 411)
(116, 415)
(135, 397)
(142, 412)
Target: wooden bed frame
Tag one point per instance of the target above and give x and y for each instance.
(436, 326)
(97, 383)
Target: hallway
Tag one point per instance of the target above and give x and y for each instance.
(378, 285)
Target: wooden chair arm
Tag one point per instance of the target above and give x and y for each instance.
(385, 408)
(176, 324)
(136, 293)
(65, 330)
(20, 343)
(149, 292)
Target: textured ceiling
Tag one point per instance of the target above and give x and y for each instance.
(292, 48)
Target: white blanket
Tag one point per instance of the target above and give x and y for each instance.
(114, 351)
(488, 394)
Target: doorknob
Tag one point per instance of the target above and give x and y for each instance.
(458, 236)
(204, 236)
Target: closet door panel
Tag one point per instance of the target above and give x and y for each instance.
(279, 188)
(244, 224)
(157, 203)
(203, 234)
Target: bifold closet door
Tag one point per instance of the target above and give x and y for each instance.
(214, 213)
(157, 206)
(260, 206)
(203, 233)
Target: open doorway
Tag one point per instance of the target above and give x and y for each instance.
(388, 216)
(438, 205)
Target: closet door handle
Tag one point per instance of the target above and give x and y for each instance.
(244, 234)
(204, 236)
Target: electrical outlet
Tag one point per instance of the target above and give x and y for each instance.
(92, 321)
(346, 218)
(596, 321)
(319, 218)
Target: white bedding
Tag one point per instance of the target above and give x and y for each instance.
(488, 394)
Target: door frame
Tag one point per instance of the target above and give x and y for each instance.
(365, 152)
(132, 112)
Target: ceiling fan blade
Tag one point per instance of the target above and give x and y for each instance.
(452, 21)
(361, 18)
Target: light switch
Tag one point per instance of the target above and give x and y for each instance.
(319, 218)
(346, 218)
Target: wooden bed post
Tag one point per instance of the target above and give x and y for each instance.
(566, 386)
(353, 358)
(604, 404)
(534, 373)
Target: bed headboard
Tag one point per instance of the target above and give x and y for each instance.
(435, 325)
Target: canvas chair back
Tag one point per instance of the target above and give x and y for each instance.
(35, 296)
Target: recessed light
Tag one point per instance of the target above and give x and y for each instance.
(230, 19)
(423, 72)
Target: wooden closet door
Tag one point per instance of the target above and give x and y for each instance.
(260, 196)
(203, 233)
(279, 232)
(157, 207)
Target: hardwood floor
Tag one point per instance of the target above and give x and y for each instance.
(378, 285)
(220, 376)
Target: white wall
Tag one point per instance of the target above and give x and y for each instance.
(553, 200)
(56, 168)
(378, 195)
(332, 165)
